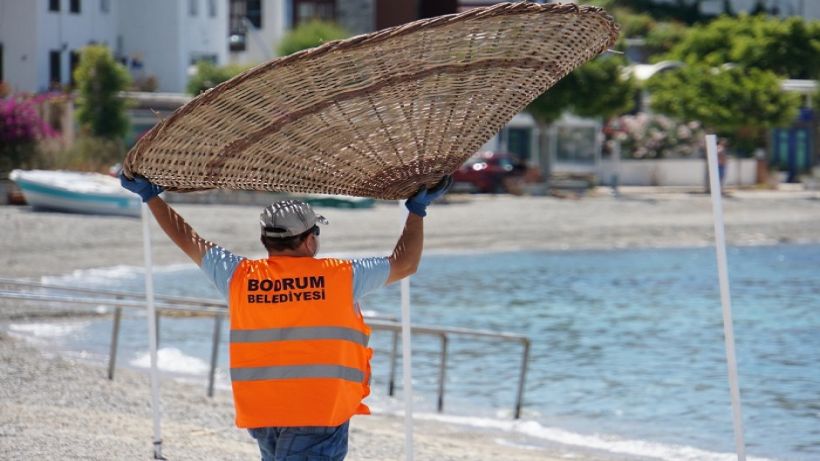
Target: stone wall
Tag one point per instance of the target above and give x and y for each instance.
(676, 172)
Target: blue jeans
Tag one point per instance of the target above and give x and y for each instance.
(302, 443)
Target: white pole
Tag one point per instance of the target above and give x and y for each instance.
(152, 328)
(616, 163)
(407, 369)
(726, 301)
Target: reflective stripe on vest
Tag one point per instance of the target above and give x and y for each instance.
(297, 371)
(299, 333)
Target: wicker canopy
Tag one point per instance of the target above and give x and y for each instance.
(376, 115)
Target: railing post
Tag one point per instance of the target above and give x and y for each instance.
(214, 353)
(391, 387)
(522, 379)
(442, 372)
(115, 335)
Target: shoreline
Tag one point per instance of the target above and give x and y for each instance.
(36, 244)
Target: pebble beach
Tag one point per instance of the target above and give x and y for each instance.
(54, 407)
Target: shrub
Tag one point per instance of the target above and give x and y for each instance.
(100, 79)
(86, 154)
(654, 136)
(309, 35)
(209, 75)
(20, 130)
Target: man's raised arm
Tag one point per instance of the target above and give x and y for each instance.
(406, 256)
(179, 231)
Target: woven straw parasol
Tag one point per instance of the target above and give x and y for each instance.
(376, 115)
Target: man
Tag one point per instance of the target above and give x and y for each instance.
(300, 365)
(722, 161)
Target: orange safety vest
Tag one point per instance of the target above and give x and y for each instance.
(298, 346)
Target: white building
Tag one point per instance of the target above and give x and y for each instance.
(254, 29)
(808, 9)
(165, 38)
(40, 40)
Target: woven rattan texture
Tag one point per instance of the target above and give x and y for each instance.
(376, 115)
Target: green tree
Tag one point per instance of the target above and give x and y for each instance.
(599, 88)
(663, 37)
(596, 89)
(660, 32)
(633, 24)
(100, 79)
(739, 103)
(788, 47)
(209, 75)
(686, 11)
(309, 35)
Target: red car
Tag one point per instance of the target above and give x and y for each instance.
(486, 172)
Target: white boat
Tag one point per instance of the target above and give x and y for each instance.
(76, 192)
(336, 201)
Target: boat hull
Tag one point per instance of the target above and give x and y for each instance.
(337, 201)
(45, 195)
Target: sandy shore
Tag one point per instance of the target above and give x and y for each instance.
(35, 243)
(55, 408)
(52, 407)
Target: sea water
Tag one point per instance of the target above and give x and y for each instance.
(627, 346)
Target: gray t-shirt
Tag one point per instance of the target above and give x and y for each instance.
(369, 274)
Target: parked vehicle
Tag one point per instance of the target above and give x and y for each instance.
(487, 172)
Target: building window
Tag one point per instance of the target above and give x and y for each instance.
(212, 8)
(433, 8)
(254, 12)
(136, 62)
(193, 7)
(237, 10)
(54, 69)
(74, 61)
(53, 5)
(74, 6)
(309, 10)
(236, 29)
(576, 144)
(519, 142)
(105, 6)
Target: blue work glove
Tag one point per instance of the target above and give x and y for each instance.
(417, 204)
(141, 186)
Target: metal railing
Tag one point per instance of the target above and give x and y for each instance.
(443, 334)
(119, 300)
(166, 304)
